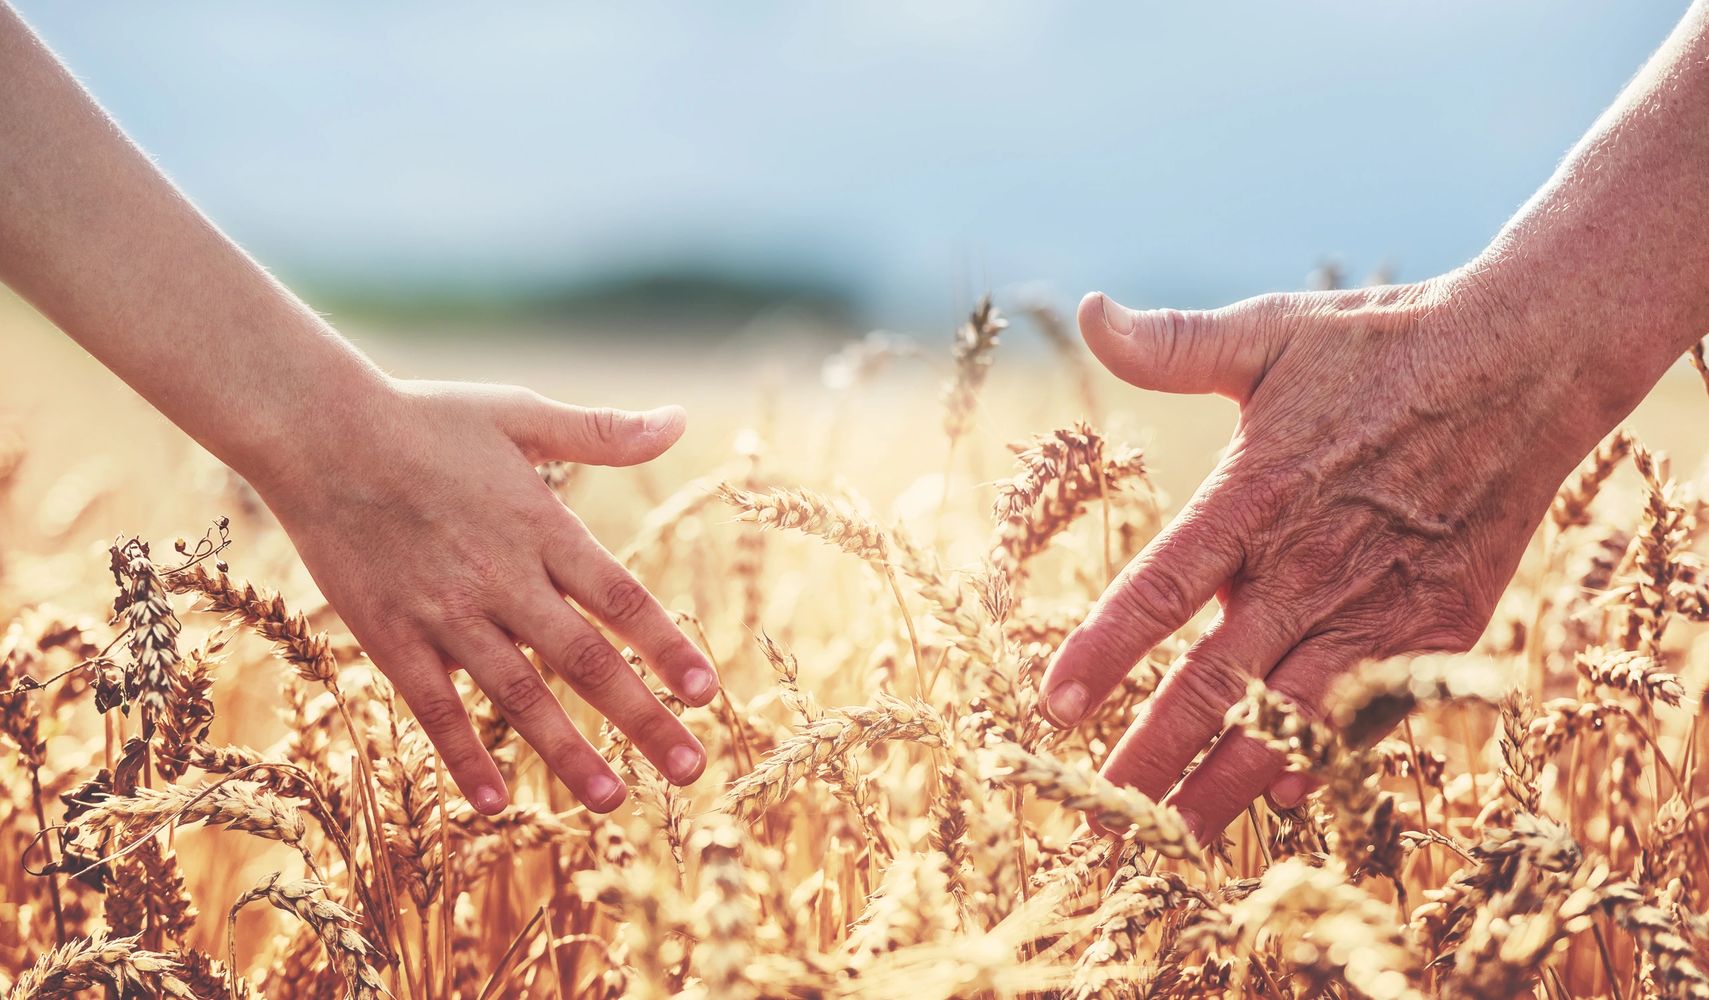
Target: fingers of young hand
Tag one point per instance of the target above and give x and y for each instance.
(438, 707)
(1188, 708)
(578, 653)
(595, 580)
(1158, 593)
(1239, 768)
(547, 429)
(524, 699)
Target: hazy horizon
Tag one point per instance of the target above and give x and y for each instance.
(912, 154)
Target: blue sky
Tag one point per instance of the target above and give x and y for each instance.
(1169, 153)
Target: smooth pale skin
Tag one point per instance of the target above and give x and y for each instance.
(1396, 446)
(415, 505)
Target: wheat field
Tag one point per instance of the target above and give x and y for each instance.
(208, 792)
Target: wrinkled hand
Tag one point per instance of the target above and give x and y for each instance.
(1396, 448)
(430, 532)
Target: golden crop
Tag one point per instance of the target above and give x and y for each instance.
(208, 791)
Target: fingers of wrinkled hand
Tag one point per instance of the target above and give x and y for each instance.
(1234, 773)
(1240, 768)
(579, 654)
(1163, 588)
(1223, 351)
(522, 696)
(547, 429)
(427, 689)
(595, 580)
(1188, 708)
(1290, 789)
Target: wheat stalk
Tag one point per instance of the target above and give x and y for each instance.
(246, 806)
(817, 744)
(265, 612)
(152, 626)
(836, 523)
(1503, 841)
(1122, 810)
(975, 346)
(349, 952)
(99, 960)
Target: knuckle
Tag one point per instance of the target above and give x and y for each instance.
(589, 662)
(1173, 328)
(1453, 623)
(605, 424)
(485, 572)
(519, 397)
(1209, 685)
(1453, 635)
(568, 756)
(541, 519)
(1302, 693)
(1155, 600)
(1254, 489)
(623, 600)
(386, 631)
(1269, 306)
(1317, 558)
(1263, 492)
(460, 616)
(520, 693)
(439, 717)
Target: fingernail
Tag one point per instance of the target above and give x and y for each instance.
(1289, 790)
(1195, 825)
(700, 684)
(604, 792)
(487, 799)
(1117, 318)
(1066, 705)
(661, 417)
(682, 763)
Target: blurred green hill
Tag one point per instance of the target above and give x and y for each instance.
(692, 298)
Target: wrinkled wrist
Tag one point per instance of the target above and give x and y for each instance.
(1560, 331)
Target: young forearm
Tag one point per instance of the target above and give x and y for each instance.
(415, 506)
(1613, 252)
(102, 244)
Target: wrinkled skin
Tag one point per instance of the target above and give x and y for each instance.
(1395, 450)
(431, 533)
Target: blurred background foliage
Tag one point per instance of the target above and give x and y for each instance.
(683, 169)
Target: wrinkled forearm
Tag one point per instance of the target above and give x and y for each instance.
(1611, 256)
(103, 245)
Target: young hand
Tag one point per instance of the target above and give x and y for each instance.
(428, 529)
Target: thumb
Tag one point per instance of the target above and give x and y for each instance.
(1223, 351)
(548, 430)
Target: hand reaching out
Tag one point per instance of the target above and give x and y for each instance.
(1396, 448)
(415, 506)
(431, 533)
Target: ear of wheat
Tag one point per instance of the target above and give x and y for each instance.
(336, 927)
(1532, 827)
(99, 961)
(974, 352)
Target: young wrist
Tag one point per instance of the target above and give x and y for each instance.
(314, 415)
